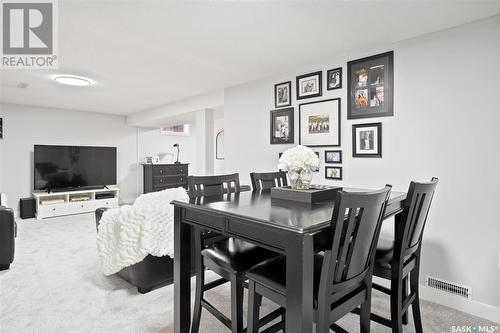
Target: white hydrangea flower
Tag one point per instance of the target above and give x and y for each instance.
(299, 158)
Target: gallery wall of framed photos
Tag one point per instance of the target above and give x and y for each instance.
(315, 107)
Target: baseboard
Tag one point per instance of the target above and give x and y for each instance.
(472, 307)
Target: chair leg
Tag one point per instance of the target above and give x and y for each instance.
(254, 301)
(236, 304)
(415, 306)
(365, 313)
(200, 282)
(396, 305)
(405, 294)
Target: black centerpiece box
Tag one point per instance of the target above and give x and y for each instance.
(315, 193)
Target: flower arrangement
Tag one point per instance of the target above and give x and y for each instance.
(299, 158)
(300, 162)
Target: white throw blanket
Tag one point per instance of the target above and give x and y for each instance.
(126, 235)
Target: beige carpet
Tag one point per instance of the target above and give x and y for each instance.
(54, 285)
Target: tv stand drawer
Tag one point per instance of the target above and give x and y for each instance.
(80, 207)
(106, 203)
(52, 210)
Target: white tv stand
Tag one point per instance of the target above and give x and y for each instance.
(74, 202)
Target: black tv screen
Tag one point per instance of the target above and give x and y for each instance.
(66, 167)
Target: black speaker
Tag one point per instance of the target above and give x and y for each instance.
(27, 207)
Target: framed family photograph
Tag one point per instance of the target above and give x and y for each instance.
(319, 123)
(334, 78)
(309, 85)
(282, 126)
(371, 86)
(367, 140)
(333, 173)
(283, 94)
(333, 156)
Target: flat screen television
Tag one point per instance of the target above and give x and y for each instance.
(73, 167)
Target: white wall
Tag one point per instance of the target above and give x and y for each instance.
(446, 124)
(25, 126)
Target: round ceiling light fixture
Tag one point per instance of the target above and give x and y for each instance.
(71, 80)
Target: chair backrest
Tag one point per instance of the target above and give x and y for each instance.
(416, 208)
(213, 185)
(355, 227)
(267, 180)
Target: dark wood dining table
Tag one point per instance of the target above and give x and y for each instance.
(294, 229)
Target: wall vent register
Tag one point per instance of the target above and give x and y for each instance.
(449, 287)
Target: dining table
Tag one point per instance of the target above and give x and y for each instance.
(295, 229)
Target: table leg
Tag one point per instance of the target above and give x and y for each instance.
(299, 284)
(182, 273)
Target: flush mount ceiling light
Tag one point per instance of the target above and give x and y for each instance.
(73, 80)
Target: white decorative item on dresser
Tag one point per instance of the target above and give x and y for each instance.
(74, 202)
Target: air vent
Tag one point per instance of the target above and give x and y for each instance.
(449, 287)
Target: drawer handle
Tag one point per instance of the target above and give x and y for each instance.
(53, 209)
(161, 180)
(161, 171)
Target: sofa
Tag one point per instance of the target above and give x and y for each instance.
(148, 274)
(8, 233)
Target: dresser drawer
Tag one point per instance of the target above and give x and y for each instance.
(162, 170)
(169, 180)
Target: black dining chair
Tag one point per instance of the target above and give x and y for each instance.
(342, 275)
(267, 180)
(398, 259)
(230, 258)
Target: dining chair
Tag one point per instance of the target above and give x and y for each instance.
(267, 180)
(213, 185)
(229, 258)
(399, 259)
(342, 275)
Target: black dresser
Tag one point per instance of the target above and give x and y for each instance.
(158, 177)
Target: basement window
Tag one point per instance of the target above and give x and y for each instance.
(182, 130)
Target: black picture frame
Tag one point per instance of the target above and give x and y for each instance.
(319, 86)
(329, 74)
(1, 128)
(371, 86)
(376, 144)
(339, 152)
(339, 168)
(274, 139)
(277, 86)
(335, 139)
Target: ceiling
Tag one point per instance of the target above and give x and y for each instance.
(147, 54)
